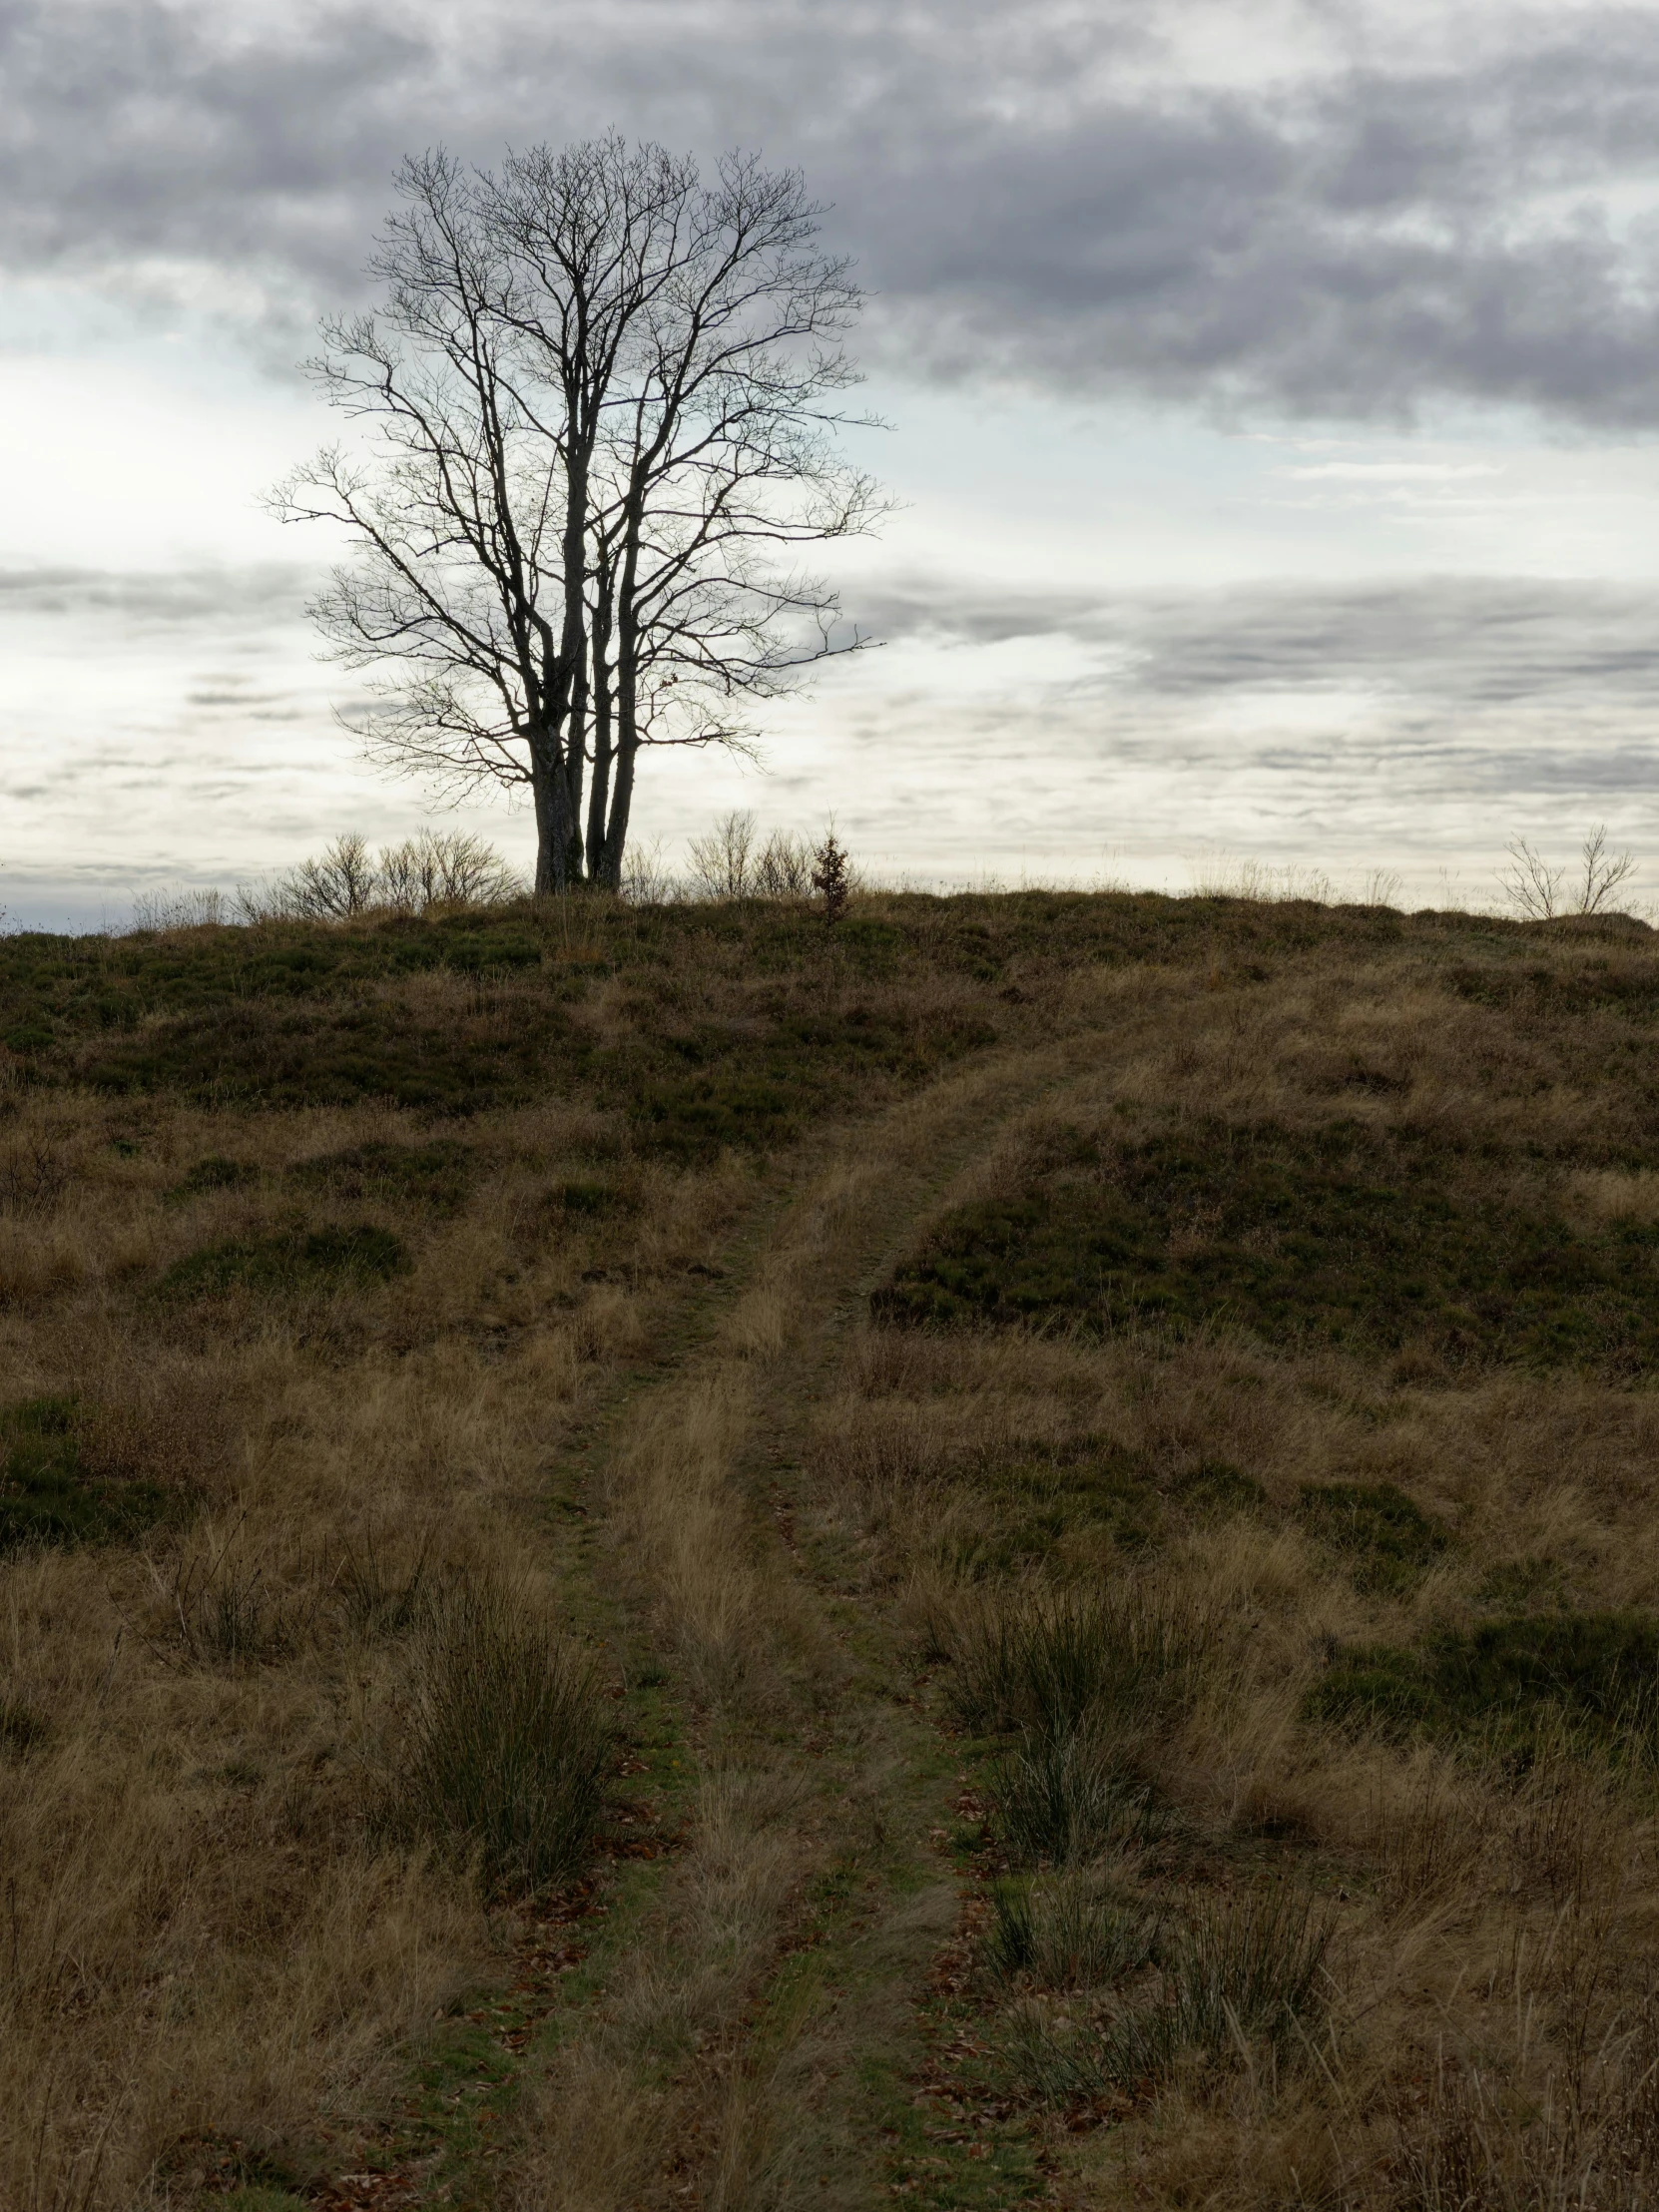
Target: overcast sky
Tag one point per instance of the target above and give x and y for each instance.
(1273, 394)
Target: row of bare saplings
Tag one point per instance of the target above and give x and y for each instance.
(439, 869)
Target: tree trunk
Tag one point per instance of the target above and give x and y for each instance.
(616, 832)
(627, 747)
(548, 790)
(604, 742)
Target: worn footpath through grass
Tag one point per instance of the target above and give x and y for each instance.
(759, 2038)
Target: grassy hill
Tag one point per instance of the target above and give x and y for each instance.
(1003, 1555)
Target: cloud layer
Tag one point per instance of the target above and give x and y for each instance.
(1420, 723)
(1327, 221)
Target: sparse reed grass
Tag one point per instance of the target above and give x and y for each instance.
(501, 1745)
(1245, 1983)
(1077, 1930)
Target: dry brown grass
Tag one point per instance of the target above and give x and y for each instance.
(206, 1942)
(1487, 2042)
(210, 1936)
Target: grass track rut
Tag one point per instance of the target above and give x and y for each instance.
(758, 2035)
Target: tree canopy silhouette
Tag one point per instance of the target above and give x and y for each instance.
(594, 422)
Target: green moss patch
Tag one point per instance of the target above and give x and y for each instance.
(1391, 1539)
(214, 1173)
(296, 1262)
(1343, 1234)
(437, 1175)
(48, 1493)
(1595, 1673)
(753, 1083)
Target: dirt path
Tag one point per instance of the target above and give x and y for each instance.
(757, 2040)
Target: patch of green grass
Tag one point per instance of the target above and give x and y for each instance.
(1391, 1538)
(1036, 1495)
(1218, 1491)
(1515, 1584)
(295, 1262)
(753, 1083)
(1596, 1674)
(48, 1495)
(214, 1173)
(1344, 1235)
(437, 1175)
(269, 1052)
(593, 1198)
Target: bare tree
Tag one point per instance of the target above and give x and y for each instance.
(597, 417)
(341, 881)
(444, 867)
(722, 861)
(1602, 872)
(1539, 892)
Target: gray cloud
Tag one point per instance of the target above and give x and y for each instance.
(256, 595)
(1392, 716)
(1459, 641)
(1035, 195)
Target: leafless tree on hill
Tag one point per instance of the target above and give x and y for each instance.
(600, 402)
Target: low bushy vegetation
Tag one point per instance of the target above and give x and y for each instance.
(1348, 1233)
(52, 1491)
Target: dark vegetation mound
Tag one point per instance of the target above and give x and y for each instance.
(1349, 1234)
(53, 1489)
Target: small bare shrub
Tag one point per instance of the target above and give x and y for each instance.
(1538, 893)
(340, 881)
(721, 861)
(182, 909)
(444, 869)
(434, 869)
(647, 881)
(784, 867)
(732, 862)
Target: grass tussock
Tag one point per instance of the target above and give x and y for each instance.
(1241, 1985)
(501, 1746)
